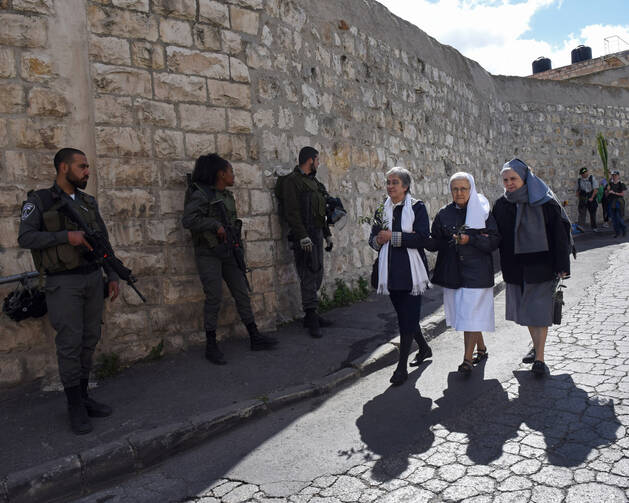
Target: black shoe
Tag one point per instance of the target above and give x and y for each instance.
(212, 353)
(529, 357)
(312, 323)
(94, 408)
(421, 355)
(538, 368)
(323, 322)
(398, 377)
(77, 413)
(480, 355)
(465, 368)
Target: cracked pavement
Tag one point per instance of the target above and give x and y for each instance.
(500, 436)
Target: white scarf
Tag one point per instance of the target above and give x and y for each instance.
(418, 270)
(477, 206)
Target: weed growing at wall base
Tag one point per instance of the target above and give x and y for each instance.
(108, 365)
(344, 295)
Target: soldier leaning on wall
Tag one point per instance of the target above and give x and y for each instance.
(303, 200)
(210, 215)
(74, 283)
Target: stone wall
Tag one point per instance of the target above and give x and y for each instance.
(145, 86)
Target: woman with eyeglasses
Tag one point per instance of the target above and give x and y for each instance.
(464, 235)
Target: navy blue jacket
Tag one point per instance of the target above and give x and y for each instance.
(399, 277)
(464, 266)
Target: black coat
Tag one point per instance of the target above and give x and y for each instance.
(399, 273)
(532, 267)
(463, 266)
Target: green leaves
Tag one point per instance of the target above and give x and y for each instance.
(601, 144)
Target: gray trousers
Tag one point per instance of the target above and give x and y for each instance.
(212, 270)
(310, 270)
(75, 310)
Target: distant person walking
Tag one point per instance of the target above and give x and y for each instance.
(616, 201)
(398, 234)
(586, 194)
(464, 233)
(534, 250)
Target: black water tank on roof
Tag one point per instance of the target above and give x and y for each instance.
(541, 64)
(581, 53)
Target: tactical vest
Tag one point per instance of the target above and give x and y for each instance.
(62, 257)
(209, 239)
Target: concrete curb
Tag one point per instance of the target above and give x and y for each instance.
(82, 473)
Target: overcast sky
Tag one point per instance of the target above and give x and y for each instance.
(505, 36)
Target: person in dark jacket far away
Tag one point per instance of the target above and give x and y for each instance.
(534, 251)
(398, 236)
(465, 234)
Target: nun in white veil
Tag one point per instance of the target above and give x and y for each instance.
(464, 234)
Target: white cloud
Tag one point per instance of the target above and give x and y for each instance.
(490, 31)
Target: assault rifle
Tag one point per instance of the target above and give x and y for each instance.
(22, 278)
(103, 253)
(233, 239)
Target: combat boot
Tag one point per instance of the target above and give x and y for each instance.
(94, 408)
(212, 352)
(260, 342)
(323, 322)
(312, 323)
(77, 413)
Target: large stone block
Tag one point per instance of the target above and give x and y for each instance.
(11, 370)
(140, 5)
(164, 231)
(207, 64)
(185, 290)
(251, 4)
(23, 31)
(174, 31)
(176, 318)
(127, 203)
(260, 255)
(144, 262)
(174, 87)
(173, 174)
(185, 9)
(36, 67)
(111, 50)
(122, 23)
(122, 323)
(126, 233)
(238, 70)
(33, 168)
(263, 280)
(8, 235)
(155, 112)
(113, 109)
(181, 259)
(232, 42)
(233, 147)
(239, 121)
(259, 57)
(147, 55)
(168, 144)
(171, 202)
(261, 202)
(214, 12)
(255, 228)
(4, 133)
(227, 94)
(123, 141)
(117, 173)
(29, 133)
(201, 118)
(11, 98)
(7, 62)
(248, 175)
(244, 20)
(206, 37)
(198, 144)
(39, 6)
(121, 80)
(46, 102)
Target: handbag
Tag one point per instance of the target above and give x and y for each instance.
(374, 274)
(558, 301)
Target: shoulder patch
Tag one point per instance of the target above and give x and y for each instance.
(27, 209)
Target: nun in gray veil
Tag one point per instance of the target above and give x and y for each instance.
(534, 251)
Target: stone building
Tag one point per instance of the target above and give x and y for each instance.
(145, 86)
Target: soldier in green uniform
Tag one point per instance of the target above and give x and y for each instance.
(210, 215)
(304, 199)
(74, 282)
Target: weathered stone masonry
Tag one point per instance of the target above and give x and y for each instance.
(145, 86)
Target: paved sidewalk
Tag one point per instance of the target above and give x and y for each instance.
(562, 438)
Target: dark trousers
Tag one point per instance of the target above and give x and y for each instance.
(585, 206)
(75, 310)
(213, 269)
(310, 270)
(617, 220)
(408, 309)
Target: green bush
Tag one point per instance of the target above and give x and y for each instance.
(344, 295)
(107, 365)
